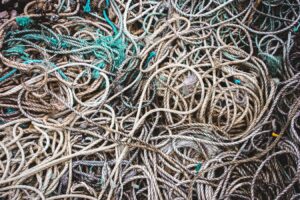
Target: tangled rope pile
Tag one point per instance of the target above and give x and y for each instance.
(142, 99)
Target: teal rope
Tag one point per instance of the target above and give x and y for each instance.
(96, 73)
(19, 50)
(109, 22)
(198, 167)
(151, 55)
(9, 74)
(9, 110)
(296, 28)
(107, 3)
(112, 25)
(237, 81)
(87, 7)
(23, 21)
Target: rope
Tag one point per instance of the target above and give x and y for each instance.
(139, 99)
